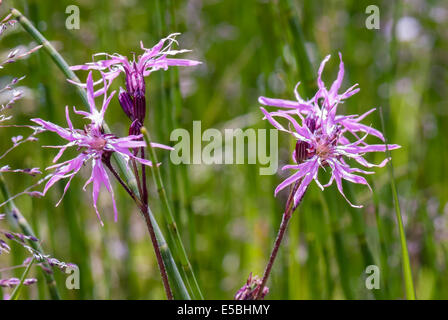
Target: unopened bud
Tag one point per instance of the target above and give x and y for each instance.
(126, 103)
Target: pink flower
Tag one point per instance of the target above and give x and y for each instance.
(133, 100)
(325, 102)
(321, 137)
(151, 60)
(94, 145)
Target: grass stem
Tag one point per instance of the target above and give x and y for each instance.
(15, 215)
(15, 294)
(406, 264)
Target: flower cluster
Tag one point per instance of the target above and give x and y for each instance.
(323, 136)
(94, 145)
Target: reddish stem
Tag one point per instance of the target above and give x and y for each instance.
(144, 210)
(160, 262)
(290, 208)
(144, 187)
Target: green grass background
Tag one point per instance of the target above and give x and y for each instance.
(228, 215)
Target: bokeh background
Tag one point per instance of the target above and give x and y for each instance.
(228, 215)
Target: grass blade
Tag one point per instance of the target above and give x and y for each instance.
(15, 294)
(14, 213)
(407, 272)
(169, 220)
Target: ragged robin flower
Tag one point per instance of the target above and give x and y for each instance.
(324, 139)
(132, 99)
(94, 146)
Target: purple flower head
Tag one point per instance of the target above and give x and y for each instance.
(250, 290)
(324, 104)
(322, 137)
(94, 146)
(136, 70)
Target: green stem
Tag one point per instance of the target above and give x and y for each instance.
(383, 246)
(406, 264)
(170, 113)
(298, 42)
(339, 249)
(130, 178)
(15, 294)
(361, 235)
(15, 215)
(161, 263)
(54, 54)
(178, 286)
(142, 205)
(169, 219)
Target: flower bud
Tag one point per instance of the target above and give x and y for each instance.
(250, 290)
(140, 108)
(135, 81)
(126, 103)
(136, 125)
(301, 152)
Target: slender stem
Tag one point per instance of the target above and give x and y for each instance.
(177, 282)
(360, 231)
(171, 113)
(383, 246)
(297, 39)
(144, 195)
(143, 209)
(289, 209)
(406, 264)
(12, 268)
(15, 294)
(169, 219)
(135, 169)
(123, 184)
(278, 241)
(339, 249)
(15, 215)
(160, 262)
(54, 54)
(130, 177)
(144, 186)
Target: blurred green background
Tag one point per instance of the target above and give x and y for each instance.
(227, 214)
